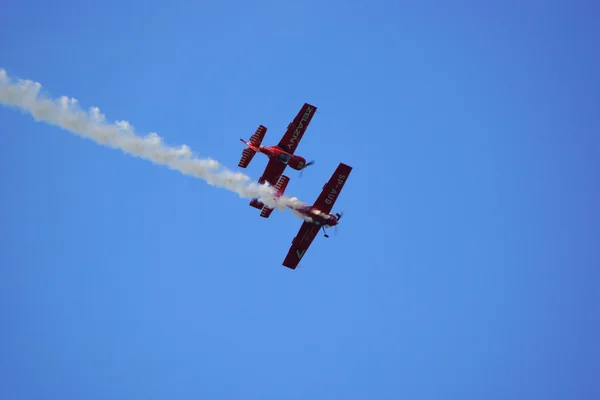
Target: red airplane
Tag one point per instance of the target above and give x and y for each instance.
(319, 213)
(280, 155)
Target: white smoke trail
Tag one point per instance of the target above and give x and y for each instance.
(65, 113)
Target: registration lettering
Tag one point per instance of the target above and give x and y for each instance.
(299, 128)
(331, 196)
(300, 253)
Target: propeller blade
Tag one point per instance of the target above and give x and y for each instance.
(306, 165)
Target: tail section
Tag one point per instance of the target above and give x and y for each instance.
(247, 156)
(257, 138)
(256, 204)
(253, 146)
(279, 190)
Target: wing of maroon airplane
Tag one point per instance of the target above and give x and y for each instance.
(290, 140)
(308, 231)
(332, 189)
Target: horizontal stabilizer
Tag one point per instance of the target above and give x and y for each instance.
(253, 146)
(247, 156)
(279, 190)
(259, 135)
(256, 204)
(266, 212)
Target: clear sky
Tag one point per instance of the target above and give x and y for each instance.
(466, 264)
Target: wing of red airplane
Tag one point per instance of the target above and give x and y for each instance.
(295, 130)
(300, 244)
(332, 189)
(272, 173)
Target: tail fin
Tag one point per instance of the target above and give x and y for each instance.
(253, 145)
(279, 190)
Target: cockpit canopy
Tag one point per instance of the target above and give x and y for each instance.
(284, 158)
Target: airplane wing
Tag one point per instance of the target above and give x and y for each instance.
(295, 130)
(333, 188)
(300, 244)
(272, 173)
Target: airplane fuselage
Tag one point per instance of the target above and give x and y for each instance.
(276, 152)
(318, 218)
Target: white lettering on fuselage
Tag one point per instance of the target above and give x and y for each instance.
(299, 128)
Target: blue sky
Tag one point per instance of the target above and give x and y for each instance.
(465, 267)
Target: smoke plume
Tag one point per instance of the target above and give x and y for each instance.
(65, 113)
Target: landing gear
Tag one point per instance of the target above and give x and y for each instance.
(325, 233)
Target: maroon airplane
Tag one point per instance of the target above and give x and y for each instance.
(319, 213)
(280, 155)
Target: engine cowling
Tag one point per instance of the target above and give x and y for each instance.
(297, 163)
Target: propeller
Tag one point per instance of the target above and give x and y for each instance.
(306, 165)
(339, 216)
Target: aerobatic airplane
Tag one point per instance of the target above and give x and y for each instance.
(281, 155)
(319, 213)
